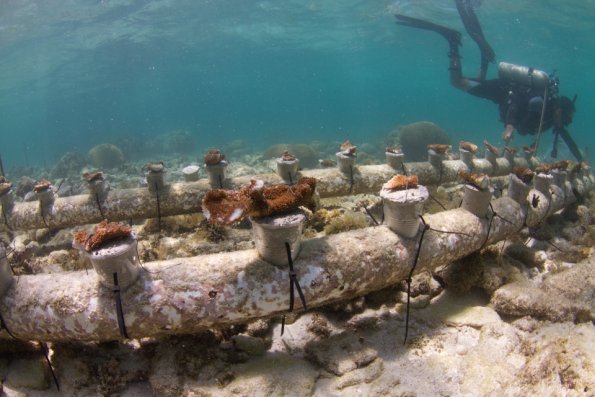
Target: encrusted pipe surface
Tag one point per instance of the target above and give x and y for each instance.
(187, 295)
(185, 197)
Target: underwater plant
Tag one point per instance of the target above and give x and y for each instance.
(256, 200)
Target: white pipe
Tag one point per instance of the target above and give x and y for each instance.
(187, 295)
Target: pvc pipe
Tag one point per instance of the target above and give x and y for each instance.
(271, 233)
(395, 161)
(185, 197)
(117, 257)
(188, 295)
(6, 277)
(190, 173)
(216, 174)
(346, 163)
(287, 170)
(402, 209)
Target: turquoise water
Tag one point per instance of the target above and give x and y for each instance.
(80, 72)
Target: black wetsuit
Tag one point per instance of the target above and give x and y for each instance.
(514, 104)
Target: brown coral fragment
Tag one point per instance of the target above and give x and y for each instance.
(229, 206)
(510, 150)
(480, 181)
(393, 149)
(42, 186)
(491, 148)
(155, 167)
(286, 156)
(439, 148)
(348, 148)
(93, 176)
(214, 157)
(401, 182)
(104, 233)
(5, 186)
(524, 174)
(468, 146)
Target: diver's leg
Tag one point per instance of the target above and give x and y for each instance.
(473, 27)
(571, 144)
(454, 42)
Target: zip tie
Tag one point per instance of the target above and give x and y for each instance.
(45, 351)
(293, 282)
(426, 227)
(370, 215)
(119, 311)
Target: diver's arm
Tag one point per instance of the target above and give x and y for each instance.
(507, 133)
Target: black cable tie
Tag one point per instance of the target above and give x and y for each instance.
(350, 178)
(220, 181)
(45, 351)
(404, 169)
(158, 208)
(438, 202)
(5, 217)
(489, 229)
(370, 215)
(99, 206)
(282, 324)
(43, 215)
(294, 282)
(449, 232)
(425, 228)
(119, 311)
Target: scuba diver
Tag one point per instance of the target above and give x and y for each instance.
(527, 98)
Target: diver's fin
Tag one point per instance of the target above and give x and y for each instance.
(473, 27)
(453, 37)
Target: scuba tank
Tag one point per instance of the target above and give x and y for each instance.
(523, 75)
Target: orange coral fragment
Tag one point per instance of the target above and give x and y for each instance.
(480, 181)
(524, 174)
(468, 146)
(230, 206)
(401, 182)
(5, 186)
(491, 148)
(42, 186)
(439, 148)
(213, 157)
(104, 233)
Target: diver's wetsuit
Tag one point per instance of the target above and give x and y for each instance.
(518, 106)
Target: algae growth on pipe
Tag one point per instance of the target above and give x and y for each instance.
(185, 197)
(187, 295)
